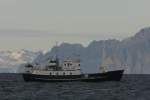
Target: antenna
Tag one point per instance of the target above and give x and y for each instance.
(56, 55)
(103, 66)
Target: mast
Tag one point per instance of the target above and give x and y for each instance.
(103, 65)
(56, 56)
(56, 52)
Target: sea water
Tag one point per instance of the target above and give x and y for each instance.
(131, 87)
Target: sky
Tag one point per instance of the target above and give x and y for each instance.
(38, 24)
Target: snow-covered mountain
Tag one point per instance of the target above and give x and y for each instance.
(10, 61)
(132, 54)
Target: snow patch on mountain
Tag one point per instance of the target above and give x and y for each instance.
(11, 61)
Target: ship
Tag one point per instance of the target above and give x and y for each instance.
(69, 70)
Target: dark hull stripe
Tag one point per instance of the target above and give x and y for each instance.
(107, 76)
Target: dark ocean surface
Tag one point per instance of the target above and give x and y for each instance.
(131, 87)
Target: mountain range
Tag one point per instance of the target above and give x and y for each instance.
(11, 61)
(131, 54)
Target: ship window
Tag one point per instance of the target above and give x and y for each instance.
(50, 73)
(57, 73)
(79, 64)
(68, 64)
(70, 73)
(63, 73)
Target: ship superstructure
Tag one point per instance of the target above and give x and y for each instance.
(68, 67)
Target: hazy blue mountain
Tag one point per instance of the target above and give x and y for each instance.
(132, 54)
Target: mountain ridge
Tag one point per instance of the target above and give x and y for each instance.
(132, 54)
